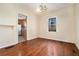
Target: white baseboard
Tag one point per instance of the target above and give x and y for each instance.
(8, 45)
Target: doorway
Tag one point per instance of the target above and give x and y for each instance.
(22, 28)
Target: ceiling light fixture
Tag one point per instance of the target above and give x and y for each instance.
(42, 8)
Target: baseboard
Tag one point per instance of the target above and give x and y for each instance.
(33, 38)
(8, 46)
(54, 40)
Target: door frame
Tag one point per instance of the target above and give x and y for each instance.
(25, 26)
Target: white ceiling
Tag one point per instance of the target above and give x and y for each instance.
(51, 6)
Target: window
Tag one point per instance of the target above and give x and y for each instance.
(52, 24)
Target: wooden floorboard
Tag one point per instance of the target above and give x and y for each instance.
(41, 47)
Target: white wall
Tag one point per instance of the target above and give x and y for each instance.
(9, 16)
(77, 24)
(65, 25)
(8, 35)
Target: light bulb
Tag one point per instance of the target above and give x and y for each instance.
(38, 10)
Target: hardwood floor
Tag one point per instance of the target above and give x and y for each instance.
(41, 47)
